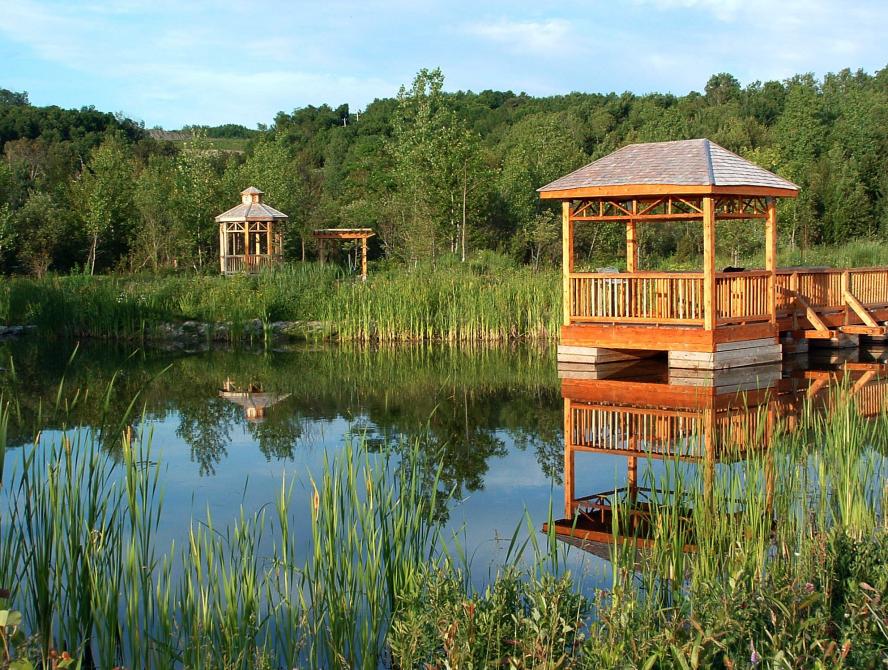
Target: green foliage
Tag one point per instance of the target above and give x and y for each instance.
(437, 173)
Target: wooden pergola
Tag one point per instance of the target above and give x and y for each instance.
(248, 237)
(344, 234)
(706, 319)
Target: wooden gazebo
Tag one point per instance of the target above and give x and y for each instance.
(344, 234)
(249, 238)
(708, 319)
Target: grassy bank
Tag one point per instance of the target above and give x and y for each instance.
(488, 299)
(787, 567)
(454, 303)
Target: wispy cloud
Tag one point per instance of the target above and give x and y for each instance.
(547, 37)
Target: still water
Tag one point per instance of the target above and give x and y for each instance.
(227, 426)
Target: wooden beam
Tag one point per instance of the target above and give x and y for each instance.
(771, 258)
(813, 318)
(363, 259)
(872, 331)
(710, 297)
(631, 247)
(858, 308)
(566, 259)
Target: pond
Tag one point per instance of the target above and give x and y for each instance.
(228, 425)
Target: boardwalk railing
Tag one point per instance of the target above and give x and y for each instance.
(676, 298)
(824, 289)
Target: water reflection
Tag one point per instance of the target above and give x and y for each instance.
(646, 413)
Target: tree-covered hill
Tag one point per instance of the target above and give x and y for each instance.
(434, 173)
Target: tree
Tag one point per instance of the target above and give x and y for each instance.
(41, 230)
(159, 240)
(539, 149)
(198, 196)
(104, 196)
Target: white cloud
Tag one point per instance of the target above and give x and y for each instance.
(547, 37)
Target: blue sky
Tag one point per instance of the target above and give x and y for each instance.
(169, 62)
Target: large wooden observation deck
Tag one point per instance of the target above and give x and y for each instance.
(706, 319)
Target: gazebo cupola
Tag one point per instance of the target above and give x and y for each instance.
(249, 234)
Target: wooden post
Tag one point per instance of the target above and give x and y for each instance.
(631, 247)
(709, 297)
(569, 460)
(567, 261)
(363, 259)
(268, 249)
(223, 227)
(321, 254)
(771, 258)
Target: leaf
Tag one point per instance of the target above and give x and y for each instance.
(13, 618)
(21, 664)
(4, 617)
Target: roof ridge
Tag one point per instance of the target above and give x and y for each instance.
(707, 156)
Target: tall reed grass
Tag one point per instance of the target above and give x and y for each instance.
(453, 303)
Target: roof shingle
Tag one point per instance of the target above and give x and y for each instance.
(682, 163)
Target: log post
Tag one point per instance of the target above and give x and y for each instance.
(567, 261)
(363, 259)
(710, 298)
(771, 258)
(631, 247)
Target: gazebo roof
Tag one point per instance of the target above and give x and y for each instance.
(680, 167)
(251, 208)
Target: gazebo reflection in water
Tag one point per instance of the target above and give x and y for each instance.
(251, 397)
(644, 412)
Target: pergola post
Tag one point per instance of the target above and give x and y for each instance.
(363, 259)
(771, 257)
(321, 255)
(567, 260)
(631, 247)
(709, 296)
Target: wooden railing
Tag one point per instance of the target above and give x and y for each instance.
(638, 297)
(251, 263)
(823, 289)
(663, 433)
(741, 296)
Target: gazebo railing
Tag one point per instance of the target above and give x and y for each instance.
(250, 263)
(636, 297)
(741, 296)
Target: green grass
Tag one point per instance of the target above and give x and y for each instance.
(450, 303)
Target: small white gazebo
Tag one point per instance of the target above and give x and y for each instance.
(248, 240)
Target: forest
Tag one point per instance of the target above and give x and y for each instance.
(439, 175)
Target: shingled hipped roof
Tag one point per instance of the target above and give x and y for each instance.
(251, 209)
(684, 163)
